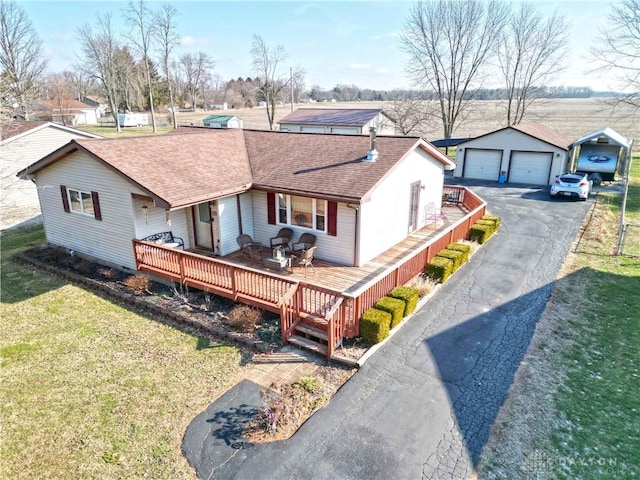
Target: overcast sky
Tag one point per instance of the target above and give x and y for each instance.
(350, 42)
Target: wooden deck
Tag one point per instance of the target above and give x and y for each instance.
(331, 298)
(348, 279)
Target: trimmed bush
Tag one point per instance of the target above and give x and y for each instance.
(374, 325)
(492, 218)
(452, 255)
(440, 269)
(409, 295)
(489, 224)
(480, 233)
(463, 248)
(393, 306)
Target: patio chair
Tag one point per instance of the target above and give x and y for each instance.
(433, 214)
(305, 259)
(305, 242)
(282, 239)
(253, 250)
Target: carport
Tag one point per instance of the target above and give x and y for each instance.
(600, 152)
(527, 153)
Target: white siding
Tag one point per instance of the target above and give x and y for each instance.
(385, 217)
(246, 210)
(509, 140)
(338, 249)
(19, 154)
(122, 215)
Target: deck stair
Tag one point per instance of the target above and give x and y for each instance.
(311, 333)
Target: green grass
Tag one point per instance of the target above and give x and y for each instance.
(91, 389)
(600, 399)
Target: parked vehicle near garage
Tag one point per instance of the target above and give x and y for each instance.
(572, 185)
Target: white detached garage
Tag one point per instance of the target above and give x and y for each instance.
(526, 153)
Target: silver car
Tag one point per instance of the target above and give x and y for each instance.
(572, 184)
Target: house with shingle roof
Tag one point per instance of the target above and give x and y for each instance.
(359, 195)
(21, 144)
(527, 153)
(69, 112)
(355, 121)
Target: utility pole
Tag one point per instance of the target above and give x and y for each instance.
(291, 82)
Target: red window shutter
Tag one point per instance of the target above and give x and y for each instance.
(332, 223)
(96, 206)
(65, 199)
(271, 208)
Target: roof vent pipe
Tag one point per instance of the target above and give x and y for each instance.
(372, 154)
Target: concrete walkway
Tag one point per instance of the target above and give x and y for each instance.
(423, 405)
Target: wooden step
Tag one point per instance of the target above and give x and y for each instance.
(309, 331)
(308, 344)
(311, 318)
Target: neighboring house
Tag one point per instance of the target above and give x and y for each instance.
(356, 121)
(22, 143)
(209, 185)
(70, 112)
(600, 152)
(219, 106)
(222, 121)
(525, 153)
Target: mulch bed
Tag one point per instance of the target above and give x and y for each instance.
(194, 310)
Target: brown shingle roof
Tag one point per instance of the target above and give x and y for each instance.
(331, 116)
(14, 128)
(190, 166)
(545, 134)
(326, 165)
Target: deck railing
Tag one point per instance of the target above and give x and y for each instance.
(291, 299)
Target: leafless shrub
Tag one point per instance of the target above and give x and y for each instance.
(138, 284)
(424, 284)
(108, 273)
(244, 318)
(83, 266)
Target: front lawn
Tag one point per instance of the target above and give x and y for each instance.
(91, 389)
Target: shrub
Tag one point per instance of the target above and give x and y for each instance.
(108, 273)
(463, 248)
(440, 269)
(374, 325)
(393, 306)
(138, 284)
(454, 255)
(244, 318)
(480, 233)
(409, 295)
(310, 384)
(489, 224)
(83, 266)
(423, 284)
(492, 218)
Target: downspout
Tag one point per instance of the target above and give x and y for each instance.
(356, 243)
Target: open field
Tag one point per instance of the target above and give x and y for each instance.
(91, 389)
(574, 408)
(575, 117)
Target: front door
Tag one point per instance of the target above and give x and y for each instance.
(414, 203)
(205, 228)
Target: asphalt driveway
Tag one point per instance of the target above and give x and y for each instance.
(423, 405)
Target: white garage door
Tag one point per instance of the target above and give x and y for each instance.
(530, 167)
(312, 129)
(482, 164)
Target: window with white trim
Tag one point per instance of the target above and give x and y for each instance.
(80, 202)
(302, 212)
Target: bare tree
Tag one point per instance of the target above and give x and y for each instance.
(165, 32)
(529, 52)
(413, 115)
(195, 67)
(60, 100)
(101, 50)
(140, 18)
(79, 83)
(619, 48)
(20, 57)
(449, 43)
(266, 62)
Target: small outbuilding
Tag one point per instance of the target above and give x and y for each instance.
(222, 121)
(600, 152)
(526, 153)
(350, 121)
